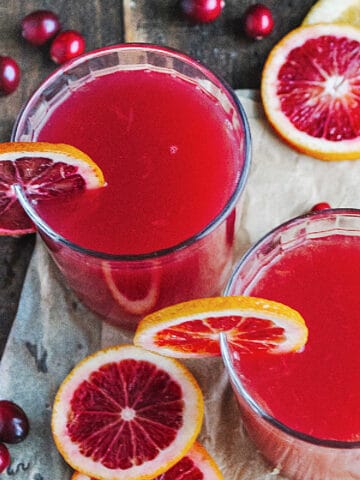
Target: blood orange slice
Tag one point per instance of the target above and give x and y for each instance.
(192, 329)
(196, 465)
(42, 170)
(81, 476)
(311, 90)
(334, 11)
(126, 413)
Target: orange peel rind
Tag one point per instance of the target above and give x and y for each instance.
(192, 329)
(310, 90)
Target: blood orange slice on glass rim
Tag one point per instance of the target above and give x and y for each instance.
(192, 329)
(310, 90)
(42, 170)
(196, 465)
(126, 413)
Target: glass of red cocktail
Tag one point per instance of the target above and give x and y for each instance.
(173, 143)
(301, 409)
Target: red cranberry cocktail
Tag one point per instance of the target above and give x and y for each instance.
(301, 408)
(173, 143)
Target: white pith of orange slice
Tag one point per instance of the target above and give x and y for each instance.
(196, 462)
(334, 11)
(192, 329)
(310, 90)
(80, 476)
(126, 413)
(42, 170)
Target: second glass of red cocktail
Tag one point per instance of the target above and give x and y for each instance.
(301, 408)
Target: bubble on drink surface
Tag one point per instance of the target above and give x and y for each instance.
(173, 149)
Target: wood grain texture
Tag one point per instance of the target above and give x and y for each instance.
(221, 45)
(101, 24)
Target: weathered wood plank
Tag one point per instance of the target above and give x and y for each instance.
(221, 45)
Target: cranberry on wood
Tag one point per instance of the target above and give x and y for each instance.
(67, 45)
(40, 26)
(202, 11)
(258, 21)
(9, 75)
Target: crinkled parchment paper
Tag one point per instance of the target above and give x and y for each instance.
(53, 331)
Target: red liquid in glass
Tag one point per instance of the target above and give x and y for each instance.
(171, 162)
(166, 153)
(315, 391)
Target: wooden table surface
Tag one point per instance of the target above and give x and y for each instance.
(221, 45)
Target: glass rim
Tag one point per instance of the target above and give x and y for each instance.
(226, 354)
(217, 220)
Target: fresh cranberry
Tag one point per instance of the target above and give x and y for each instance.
(202, 11)
(40, 26)
(9, 75)
(320, 206)
(66, 45)
(4, 458)
(258, 21)
(14, 425)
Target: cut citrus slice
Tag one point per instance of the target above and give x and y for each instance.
(334, 11)
(126, 413)
(310, 90)
(196, 465)
(80, 476)
(135, 290)
(42, 170)
(192, 329)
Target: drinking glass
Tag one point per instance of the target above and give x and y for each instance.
(122, 288)
(297, 455)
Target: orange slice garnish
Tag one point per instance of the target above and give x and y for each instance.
(310, 90)
(192, 329)
(126, 413)
(42, 170)
(196, 465)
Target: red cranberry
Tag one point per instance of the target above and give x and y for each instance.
(40, 26)
(320, 206)
(9, 75)
(14, 425)
(66, 45)
(202, 11)
(4, 458)
(258, 21)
